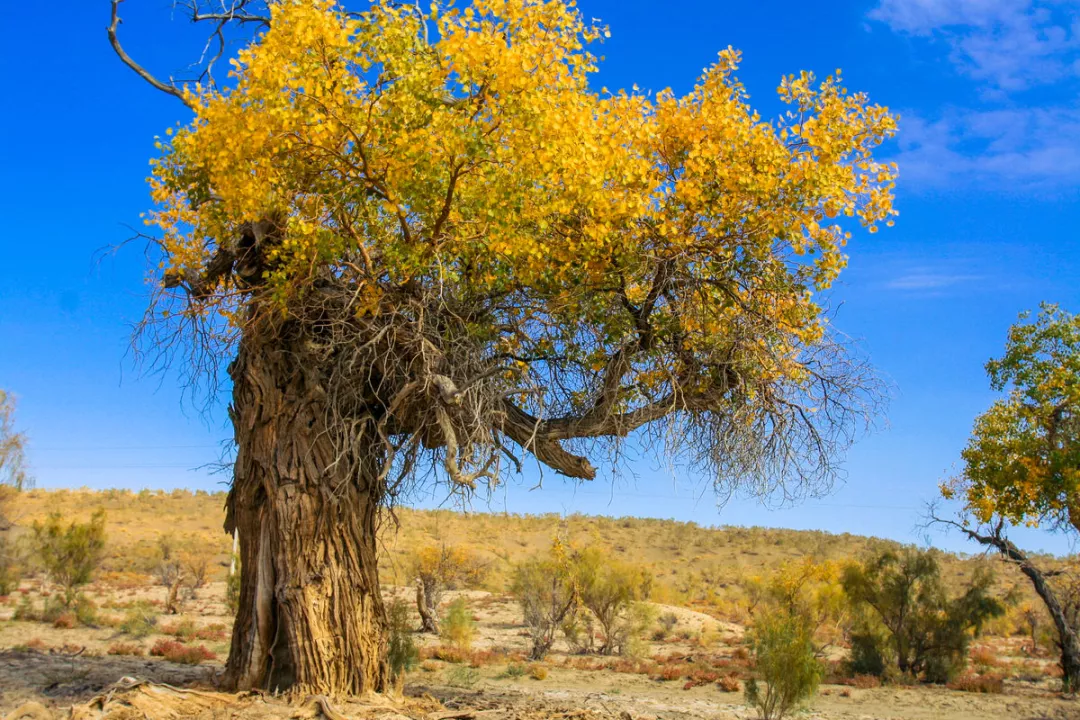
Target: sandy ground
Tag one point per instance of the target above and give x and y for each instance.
(61, 668)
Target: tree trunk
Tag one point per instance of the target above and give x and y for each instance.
(1068, 639)
(311, 617)
(429, 619)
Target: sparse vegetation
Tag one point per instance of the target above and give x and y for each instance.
(546, 589)
(402, 652)
(908, 622)
(71, 552)
(785, 662)
(457, 628)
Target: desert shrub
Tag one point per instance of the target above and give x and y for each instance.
(184, 630)
(125, 648)
(866, 656)
(515, 670)
(26, 611)
(140, 619)
(578, 629)
(70, 553)
(178, 652)
(729, 683)
(866, 682)
(85, 610)
(785, 660)
(545, 589)
(10, 562)
(987, 683)
(438, 569)
(458, 628)
(65, 620)
(462, 676)
(611, 590)
(667, 622)
(909, 618)
(538, 671)
(401, 648)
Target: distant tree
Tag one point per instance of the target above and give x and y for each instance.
(927, 632)
(785, 661)
(1022, 463)
(438, 568)
(14, 476)
(546, 589)
(418, 237)
(71, 552)
(14, 471)
(610, 590)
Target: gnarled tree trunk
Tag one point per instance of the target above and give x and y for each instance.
(311, 618)
(1068, 641)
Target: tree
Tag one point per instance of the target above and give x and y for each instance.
(70, 553)
(1022, 463)
(425, 247)
(438, 569)
(546, 589)
(610, 590)
(13, 466)
(785, 658)
(927, 631)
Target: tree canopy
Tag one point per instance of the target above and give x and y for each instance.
(497, 254)
(1022, 462)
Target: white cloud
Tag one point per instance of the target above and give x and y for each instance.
(1004, 149)
(928, 280)
(1010, 45)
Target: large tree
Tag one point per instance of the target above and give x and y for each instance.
(429, 248)
(1022, 463)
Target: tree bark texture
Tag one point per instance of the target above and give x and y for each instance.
(311, 618)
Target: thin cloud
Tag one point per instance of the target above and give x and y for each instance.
(927, 281)
(1010, 45)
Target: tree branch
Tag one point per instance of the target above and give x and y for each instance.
(167, 88)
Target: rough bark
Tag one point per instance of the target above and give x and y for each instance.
(311, 618)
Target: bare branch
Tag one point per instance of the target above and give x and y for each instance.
(167, 88)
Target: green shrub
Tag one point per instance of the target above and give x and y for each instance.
(462, 676)
(867, 654)
(402, 653)
(515, 670)
(611, 589)
(85, 610)
(916, 628)
(139, 620)
(785, 659)
(545, 590)
(70, 553)
(457, 628)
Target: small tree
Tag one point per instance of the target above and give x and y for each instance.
(610, 589)
(785, 659)
(1021, 463)
(438, 569)
(401, 648)
(458, 628)
(70, 553)
(927, 633)
(547, 592)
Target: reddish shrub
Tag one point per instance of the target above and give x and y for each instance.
(866, 682)
(667, 673)
(989, 683)
(65, 621)
(124, 648)
(729, 683)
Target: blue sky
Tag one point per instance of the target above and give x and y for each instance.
(989, 153)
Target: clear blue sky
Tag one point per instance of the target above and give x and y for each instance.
(989, 153)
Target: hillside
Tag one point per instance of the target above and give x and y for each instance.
(693, 565)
